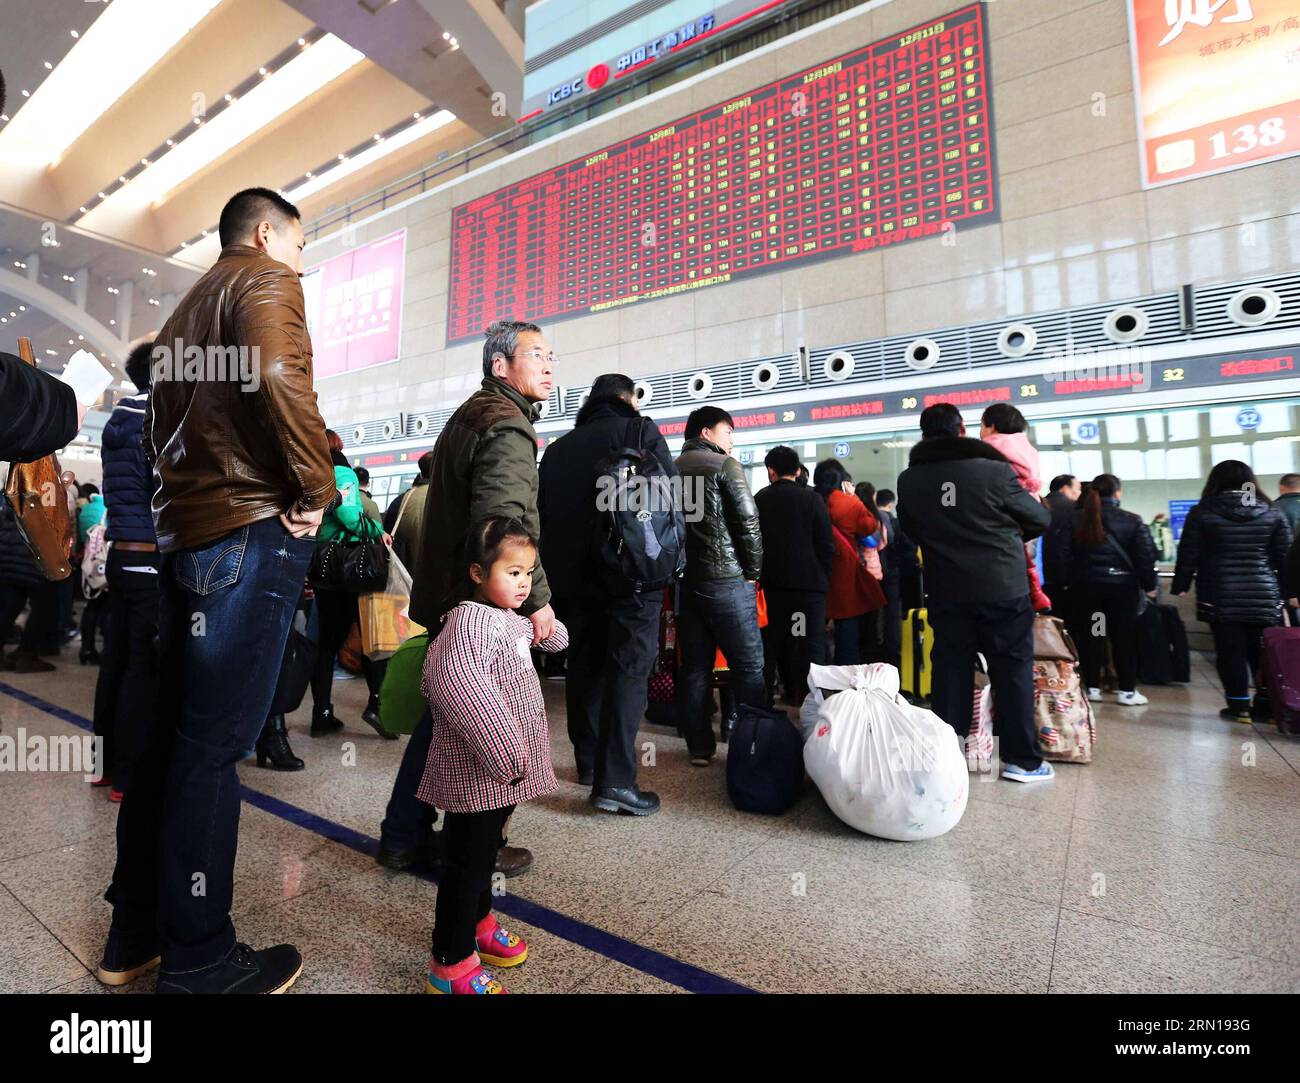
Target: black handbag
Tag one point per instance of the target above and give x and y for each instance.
(358, 565)
(299, 659)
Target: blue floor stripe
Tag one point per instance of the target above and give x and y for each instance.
(647, 960)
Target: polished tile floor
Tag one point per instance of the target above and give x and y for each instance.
(1172, 862)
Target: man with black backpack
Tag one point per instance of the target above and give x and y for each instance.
(612, 538)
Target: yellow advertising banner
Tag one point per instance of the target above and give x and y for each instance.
(1217, 84)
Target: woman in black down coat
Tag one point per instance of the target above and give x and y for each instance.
(1235, 544)
(1110, 561)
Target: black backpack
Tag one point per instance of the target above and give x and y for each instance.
(641, 542)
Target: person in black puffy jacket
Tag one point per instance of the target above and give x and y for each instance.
(126, 692)
(1234, 544)
(1109, 560)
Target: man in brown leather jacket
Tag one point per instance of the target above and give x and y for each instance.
(242, 476)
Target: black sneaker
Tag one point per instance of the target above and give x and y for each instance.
(127, 956)
(271, 970)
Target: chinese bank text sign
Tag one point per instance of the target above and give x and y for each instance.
(354, 306)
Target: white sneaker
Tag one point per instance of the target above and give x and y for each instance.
(1094, 695)
(1129, 699)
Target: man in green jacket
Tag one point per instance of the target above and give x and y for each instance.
(484, 464)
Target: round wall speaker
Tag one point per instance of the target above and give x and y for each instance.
(765, 376)
(1253, 306)
(699, 386)
(922, 354)
(838, 366)
(1016, 340)
(1126, 324)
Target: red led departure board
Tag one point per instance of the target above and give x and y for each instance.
(885, 144)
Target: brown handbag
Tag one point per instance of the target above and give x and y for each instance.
(1052, 642)
(40, 504)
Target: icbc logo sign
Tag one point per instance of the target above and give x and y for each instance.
(563, 91)
(596, 78)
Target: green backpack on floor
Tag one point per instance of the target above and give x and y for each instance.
(401, 703)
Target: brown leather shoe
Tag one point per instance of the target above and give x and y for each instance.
(513, 861)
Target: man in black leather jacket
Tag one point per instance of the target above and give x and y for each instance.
(724, 557)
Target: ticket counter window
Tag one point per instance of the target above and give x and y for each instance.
(1162, 456)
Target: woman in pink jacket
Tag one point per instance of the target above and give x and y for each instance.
(491, 749)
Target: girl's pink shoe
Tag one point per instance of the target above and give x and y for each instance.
(467, 976)
(496, 946)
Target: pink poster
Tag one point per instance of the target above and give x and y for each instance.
(354, 306)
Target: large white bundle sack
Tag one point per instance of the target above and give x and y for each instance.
(822, 679)
(883, 766)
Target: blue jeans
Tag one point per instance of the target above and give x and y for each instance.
(713, 614)
(225, 612)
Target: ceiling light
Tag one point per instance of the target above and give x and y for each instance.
(261, 71)
(82, 209)
(121, 180)
(197, 121)
(52, 353)
(81, 338)
(112, 323)
(272, 98)
(229, 98)
(74, 33)
(20, 265)
(415, 116)
(112, 289)
(14, 315)
(185, 244)
(69, 278)
(378, 137)
(22, 308)
(4, 116)
(62, 110)
(101, 195)
(371, 154)
(71, 343)
(445, 35)
(302, 41)
(171, 143)
(27, 93)
(4, 319)
(309, 173)
(49, 66)
(153, 300)
(205, 233)
(454, 46)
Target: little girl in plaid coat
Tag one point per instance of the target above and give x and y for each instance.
(491, 749)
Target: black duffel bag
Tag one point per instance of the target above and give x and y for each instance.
(764, 761)
(357, 564)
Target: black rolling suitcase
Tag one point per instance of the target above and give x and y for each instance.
(1176, 636)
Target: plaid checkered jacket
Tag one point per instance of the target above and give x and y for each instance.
(491, 746)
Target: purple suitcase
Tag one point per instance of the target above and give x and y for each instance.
(1282, 675)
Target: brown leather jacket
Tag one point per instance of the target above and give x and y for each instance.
(232, 431)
